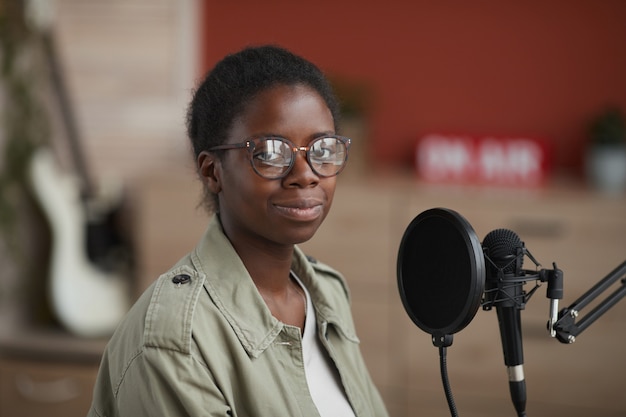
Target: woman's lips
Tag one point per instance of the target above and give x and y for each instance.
(301, 210)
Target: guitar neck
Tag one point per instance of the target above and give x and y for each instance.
(67, 114)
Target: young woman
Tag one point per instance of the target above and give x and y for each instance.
(246, 325)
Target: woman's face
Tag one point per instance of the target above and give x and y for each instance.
(285, 211)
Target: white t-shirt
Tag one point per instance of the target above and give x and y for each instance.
(321, 375)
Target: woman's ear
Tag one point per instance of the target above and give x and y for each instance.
(210, 169)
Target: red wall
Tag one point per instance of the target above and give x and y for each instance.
(540, 68)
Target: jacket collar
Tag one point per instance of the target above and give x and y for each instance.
(231, 288)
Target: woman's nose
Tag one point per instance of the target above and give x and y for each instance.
(302, 173)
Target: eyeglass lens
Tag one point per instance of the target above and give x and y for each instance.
(273, 157)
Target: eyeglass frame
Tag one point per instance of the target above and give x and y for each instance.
(249, 144)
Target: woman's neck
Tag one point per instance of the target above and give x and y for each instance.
(282, 294)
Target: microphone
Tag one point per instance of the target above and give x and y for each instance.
(441, 278)
(504, 253)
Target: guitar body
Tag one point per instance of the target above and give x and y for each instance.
(89, 301)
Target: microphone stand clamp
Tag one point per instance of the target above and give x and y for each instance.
(566, 328)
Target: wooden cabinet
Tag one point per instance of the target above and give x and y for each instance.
(38, 388)
(47, 374)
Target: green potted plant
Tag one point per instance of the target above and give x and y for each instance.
(23, 127)
(355, 102)
(606, 153)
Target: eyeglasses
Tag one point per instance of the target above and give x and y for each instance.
(273, 157)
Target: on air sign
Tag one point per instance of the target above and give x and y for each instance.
(485, 160)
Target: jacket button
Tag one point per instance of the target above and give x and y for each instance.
(181, 279)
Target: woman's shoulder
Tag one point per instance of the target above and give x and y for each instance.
(325, 269)
(169, 312)
(327, 276)
(161, 316)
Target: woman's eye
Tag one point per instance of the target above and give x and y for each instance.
(270, 158)
(321, 153)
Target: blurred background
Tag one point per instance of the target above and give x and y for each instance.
(498, 110)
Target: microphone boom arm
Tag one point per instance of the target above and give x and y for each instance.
(566, 327)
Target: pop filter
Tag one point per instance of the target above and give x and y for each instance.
(441, 271)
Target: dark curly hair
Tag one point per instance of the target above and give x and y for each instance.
(237, 79)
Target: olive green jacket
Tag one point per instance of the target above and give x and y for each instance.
(201, 342)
